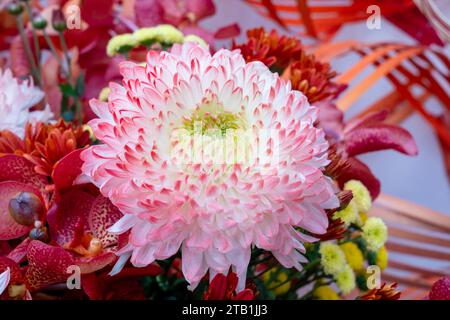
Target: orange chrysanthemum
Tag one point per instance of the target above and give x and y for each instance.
(313, 78)
(45, 144)
(273, 50)
(386, 292)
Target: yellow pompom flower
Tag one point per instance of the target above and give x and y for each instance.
(348, 215)
(361, 196)
(168, 34)
(345, 280)
(362, 219)
(165, 34)
(325, 293)
(382, 258)
(375, 233)
(121, 43)
(103, 96)
(353, 256)
(196, 39)
(146, 36)
(274, 281)
(332, 258)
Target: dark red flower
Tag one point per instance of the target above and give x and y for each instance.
(224, 288)
(314, 78)
(274, 50)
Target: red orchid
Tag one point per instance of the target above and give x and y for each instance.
(224, 288)
(77, 218)
(358, 136)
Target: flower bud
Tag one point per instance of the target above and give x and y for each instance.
(39, 23)
(58, 20)
(15, 9)
(25, 208)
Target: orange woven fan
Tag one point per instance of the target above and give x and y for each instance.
(419, 242)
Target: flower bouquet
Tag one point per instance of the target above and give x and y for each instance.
(141, 160)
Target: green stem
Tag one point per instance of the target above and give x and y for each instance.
(35, 38)
(28, 51)
(55, 53)
(78, 114)
(66, 54)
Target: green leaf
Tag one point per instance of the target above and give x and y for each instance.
(67, 90)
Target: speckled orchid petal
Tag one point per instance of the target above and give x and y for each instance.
(103, 214)
(47, 265)
(69, 216)
(17, 168)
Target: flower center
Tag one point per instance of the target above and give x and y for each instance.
(213, 137)
(212, 120)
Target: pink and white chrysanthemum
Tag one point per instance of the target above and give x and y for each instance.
(214, 211)
(16, 99)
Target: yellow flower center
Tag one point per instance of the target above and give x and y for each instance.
(212, 120)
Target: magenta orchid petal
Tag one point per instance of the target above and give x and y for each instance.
(379, 137)
(9, 228)
(372, 118)
(17, 168)
(67, 170)
(226, 32)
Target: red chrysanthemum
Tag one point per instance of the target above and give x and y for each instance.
(274, 50)
(314, 78)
